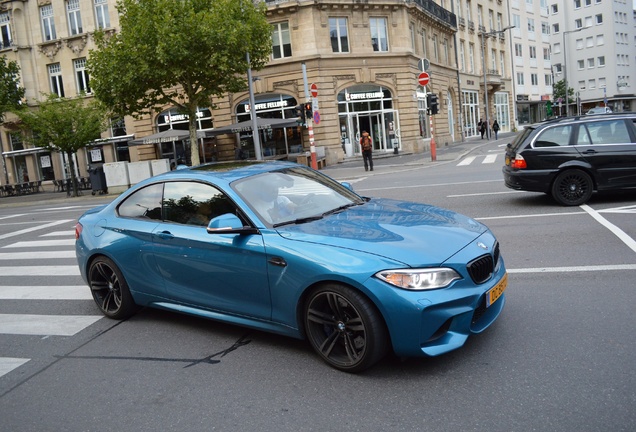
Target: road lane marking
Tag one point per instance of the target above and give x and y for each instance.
(625, 209)
(35, 228)
(573, 269)
(37, 255)
(622, 235)
(483, 193)
(69, 233)
(467, 161)
(64, 292)
(528, 215)
(41, 243)
(7, 364)
(45, 325)
(490, 159)
(69, 270)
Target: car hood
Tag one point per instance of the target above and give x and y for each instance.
(415, 234)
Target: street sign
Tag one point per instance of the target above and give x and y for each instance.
(424, 64)
(423, 78)
(316, 117)
(314, 90)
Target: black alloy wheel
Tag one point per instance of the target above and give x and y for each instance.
(345, 328)
(110, 290)
(572, 187)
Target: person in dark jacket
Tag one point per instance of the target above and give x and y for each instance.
(366, 145)
(482, 127)
(495, 128)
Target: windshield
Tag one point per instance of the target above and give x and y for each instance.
(294, 195)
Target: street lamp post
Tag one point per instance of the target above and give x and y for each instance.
(565, 71)
(483, 65)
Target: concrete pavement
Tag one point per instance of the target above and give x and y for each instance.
(351, 168)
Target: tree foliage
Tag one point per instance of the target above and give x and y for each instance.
(558, 91)
(179, 53)
(11, 93)
(64, 125)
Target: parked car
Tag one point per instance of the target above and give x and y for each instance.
(570, 158)
(599, 110)
(283, 248)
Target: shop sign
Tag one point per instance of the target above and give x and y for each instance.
(364, 96)
(268, 105)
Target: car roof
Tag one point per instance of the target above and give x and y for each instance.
(226, 172)
(581, 118)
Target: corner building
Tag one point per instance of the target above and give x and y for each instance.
(363, 56)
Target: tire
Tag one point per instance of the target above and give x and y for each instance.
(110, 290)
(572, 187)
(345, 328)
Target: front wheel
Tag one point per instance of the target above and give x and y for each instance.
(572, 187)
(110, 290)
(345, 328)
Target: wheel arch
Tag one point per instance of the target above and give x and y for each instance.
(570, 165)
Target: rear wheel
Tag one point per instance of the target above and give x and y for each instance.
(572, 187)
(110, 290)
(345, 328)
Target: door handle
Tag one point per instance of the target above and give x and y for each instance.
(590, 151)
(165, 235)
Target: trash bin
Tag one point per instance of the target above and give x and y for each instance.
(98, 179)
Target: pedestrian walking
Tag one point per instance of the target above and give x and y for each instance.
(366, 144)
(482, 127)
(495, 128)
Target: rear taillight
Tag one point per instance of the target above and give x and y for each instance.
(519, 162)
(78, 230)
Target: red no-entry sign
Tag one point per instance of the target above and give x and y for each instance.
(314, 90)
(423, 78)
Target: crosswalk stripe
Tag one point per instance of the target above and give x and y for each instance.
(48, 292)
(467, 161)
(37, 255)
(69, 233)
(68, 270)
(35, 228)
(45, 325)
(490, 159)
(41, 243)
(7, 364)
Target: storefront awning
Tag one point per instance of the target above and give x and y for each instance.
(246, 126)
(110, 140)
(170, 135)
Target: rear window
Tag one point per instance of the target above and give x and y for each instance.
(554, 136)
(521, 138)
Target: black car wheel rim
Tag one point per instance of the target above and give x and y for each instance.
(573, 187)
(106, 287)
(336, 329)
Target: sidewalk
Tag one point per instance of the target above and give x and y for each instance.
(351, 168)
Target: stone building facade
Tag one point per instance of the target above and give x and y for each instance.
(364, 58)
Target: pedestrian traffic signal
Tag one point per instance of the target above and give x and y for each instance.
(300, 114)
(308, 110)
(432, 103)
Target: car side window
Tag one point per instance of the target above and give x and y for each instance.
(144, 203)
(193, 203)
(609, 132)
(554, 136)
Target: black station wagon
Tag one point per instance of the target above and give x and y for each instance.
(570, 158)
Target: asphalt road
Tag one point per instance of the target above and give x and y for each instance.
(560, 358)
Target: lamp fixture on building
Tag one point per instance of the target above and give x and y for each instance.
(483, 63)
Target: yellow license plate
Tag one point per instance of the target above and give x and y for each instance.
(508, 160)
(494, 293)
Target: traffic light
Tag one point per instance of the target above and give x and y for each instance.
(432, 103)
(300, 113)
(308, 110)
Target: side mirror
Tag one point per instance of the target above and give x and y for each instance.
(229, 224)
(347, 185)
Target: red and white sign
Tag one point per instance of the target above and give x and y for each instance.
(314, 90)
(423, 78)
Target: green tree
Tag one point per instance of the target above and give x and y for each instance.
(64, 125)
(558, 91)
(179, 53)
(11, 93)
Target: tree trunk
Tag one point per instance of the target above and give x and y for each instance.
(194, 143)
(71, 168)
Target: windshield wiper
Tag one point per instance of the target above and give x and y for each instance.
(341, 208)
(298, 221)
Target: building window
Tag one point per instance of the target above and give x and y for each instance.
(281, 41)
(462, 56)
(599, 19)
(117, 127)
(555, 28)
(590, 63)
(435, 49)
(578, 23)
(520, 80)
(546, 54)
(555, 9)
(471, 57)
(577, 4)
(5, 30)
(81, 75)
(446, 54)
(531, 25)
(74, 17)
(48, 23)
(548, 79)
(502, 63)
(15, 138)
(424, 50)
(338, 34)
(379, 38)
(601, 61)
(533, 52)
(545, 28)
(581, 64)
(518, 50)
(101, 14)
(55, 77)
(534, 79)
(412, 33)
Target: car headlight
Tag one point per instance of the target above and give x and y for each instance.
(419, 279)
